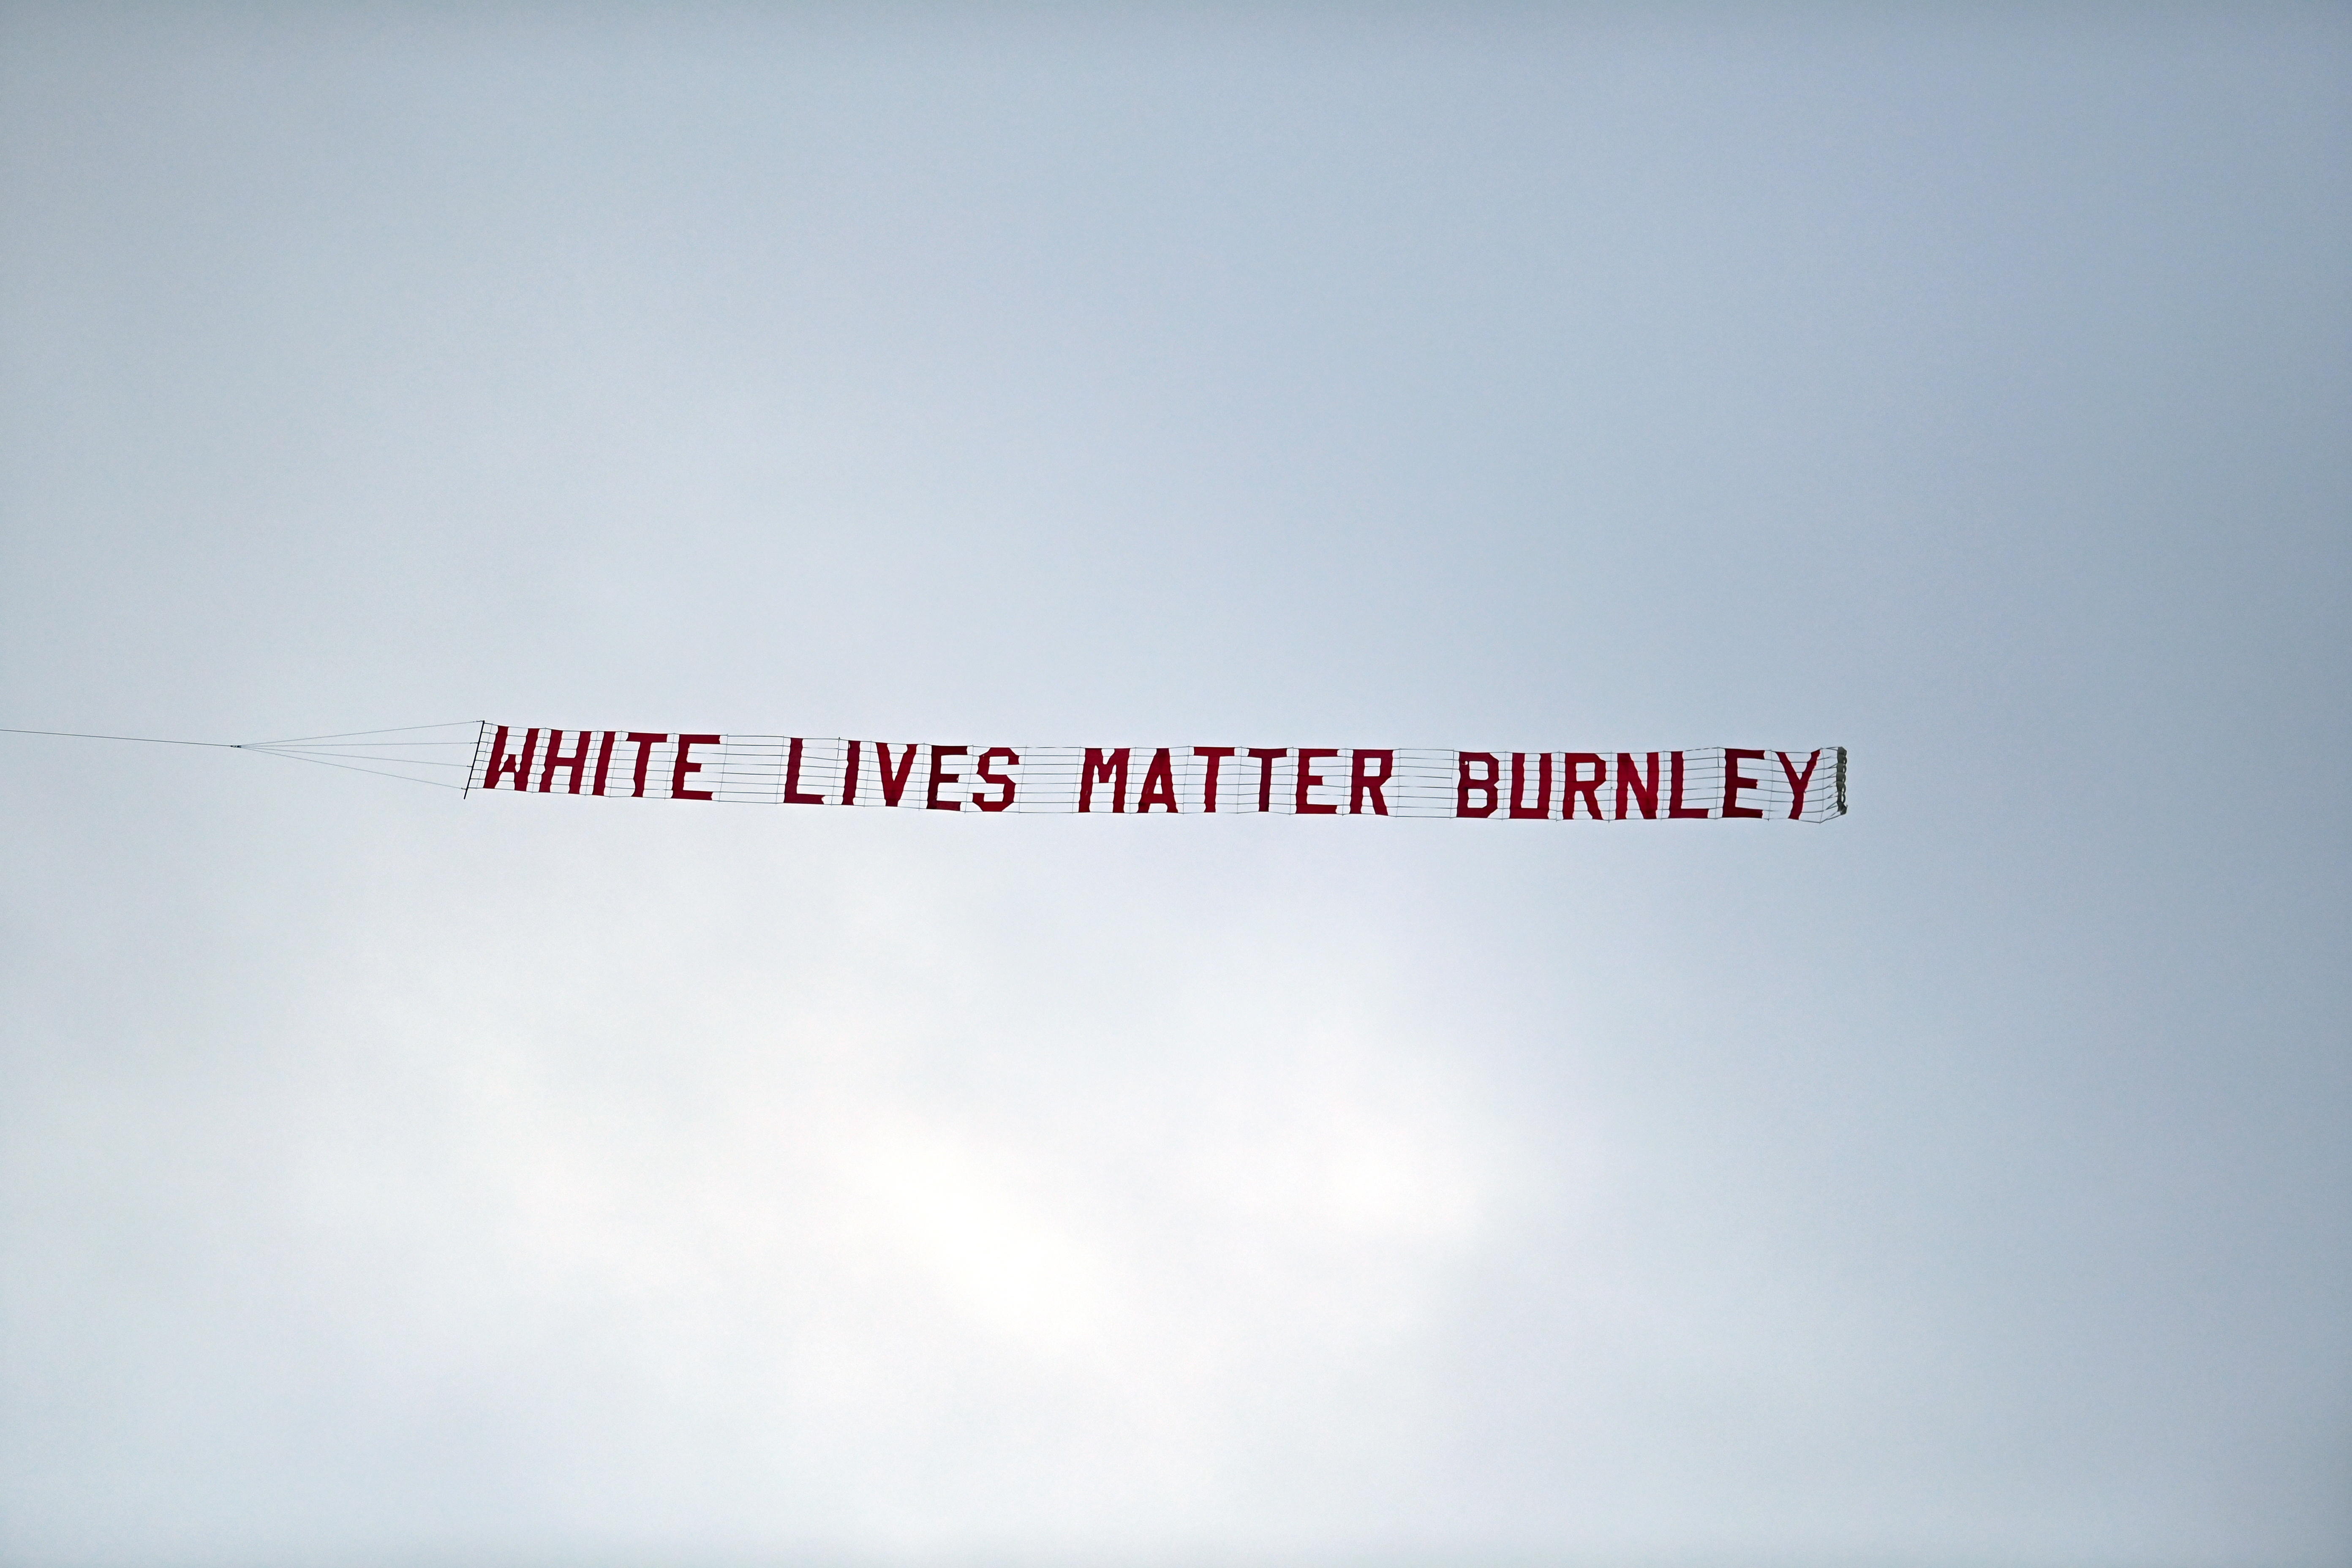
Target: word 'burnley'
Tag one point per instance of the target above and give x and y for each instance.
(1728, 783)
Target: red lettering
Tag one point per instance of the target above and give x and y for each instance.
(931, 800)
(1215, 755)
(1484, 786)
(1798, 782)
(893, 786)
(645, 744)
(603, 760)
(1674, 796)
(686, 745)
(792, 796)
(849, 776)
(574, 765)
(1576, 784)
(987, 762)
(1298, 796)
(502, 763)
(1098, 768)
(1266, 756)
(1362, 781)
(1734, 781)
(1628, 777)
(1542, 807)
(1159, 783)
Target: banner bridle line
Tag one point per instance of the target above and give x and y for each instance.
(142, 739)
(358, 748)
(353, 768)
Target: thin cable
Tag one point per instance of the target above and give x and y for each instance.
(354, 748)
(429, 783)
(348, 734)
(327, 757)
(347, 756)
(260, 750)
(351, 757)
(147, 740)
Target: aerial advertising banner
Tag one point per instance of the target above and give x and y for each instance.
(1706, 783)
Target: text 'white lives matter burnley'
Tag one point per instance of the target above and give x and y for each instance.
(1712, 784)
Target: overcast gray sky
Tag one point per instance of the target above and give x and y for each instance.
(391, 1179)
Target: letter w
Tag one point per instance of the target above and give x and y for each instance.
(504, 763)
